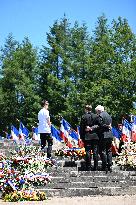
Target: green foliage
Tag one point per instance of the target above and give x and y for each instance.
(76, 69)
(20, 100)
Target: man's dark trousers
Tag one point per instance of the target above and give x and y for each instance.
(46, 137)
(106, 153)
(91, 145)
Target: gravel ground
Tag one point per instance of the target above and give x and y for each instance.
(99, 200)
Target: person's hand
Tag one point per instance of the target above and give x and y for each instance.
(87, 129)
(81, 143)
(110, 127)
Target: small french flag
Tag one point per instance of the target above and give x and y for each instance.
(126, 131)
(134, 129)
(14, 133)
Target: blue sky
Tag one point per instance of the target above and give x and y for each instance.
(32, 18)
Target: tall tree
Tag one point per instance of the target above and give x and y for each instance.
(55, 69)
(28, 81)
(75, 69)
(100, 69)
(18, 85)
(124, 75)
(79, 54)
(8, 102)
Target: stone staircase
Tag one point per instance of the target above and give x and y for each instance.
(69, 179)
(70, 182)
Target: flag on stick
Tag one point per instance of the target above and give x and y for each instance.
(134, 129)
(126, 131)
(14, 133)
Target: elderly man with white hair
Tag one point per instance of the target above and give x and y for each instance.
(105, 137)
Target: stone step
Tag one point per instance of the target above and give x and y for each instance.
(90, 179)
(66, 182)
(81, 184)
(69, 178)
(68, 172)
(95, 181)
(71, 192)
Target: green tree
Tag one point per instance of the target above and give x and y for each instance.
(18, 84)
(74, 70)
(99, 75)
(79, 54)
(55, 70)
(27, 82)
(7, 87)
(124, 75)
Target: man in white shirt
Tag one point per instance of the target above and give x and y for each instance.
(44, 127)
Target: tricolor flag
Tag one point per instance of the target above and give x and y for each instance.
(80, 142)
(23, 131)
(55, 134)
(116, 140)
(74, 136)
(134, 129)
(14, 133)
(126, 131)
(64, 133)
(36, 135)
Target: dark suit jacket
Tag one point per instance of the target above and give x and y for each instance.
(105, 121)
(91, 120)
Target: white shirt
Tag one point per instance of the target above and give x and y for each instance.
(43, 126)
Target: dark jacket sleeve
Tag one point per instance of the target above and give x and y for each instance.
(105, 121)
(96, 123)
(82, 128)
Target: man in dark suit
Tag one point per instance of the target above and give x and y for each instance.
(105, 136)
(88, 133)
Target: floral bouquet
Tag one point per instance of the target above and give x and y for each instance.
(76, 153)
(24, 195)
(21, 172)
(127, 157)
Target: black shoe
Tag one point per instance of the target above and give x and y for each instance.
(103, 169)
(109, 169)
(95, 169)
(88, 168)
(49, 156)
(106, 170)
